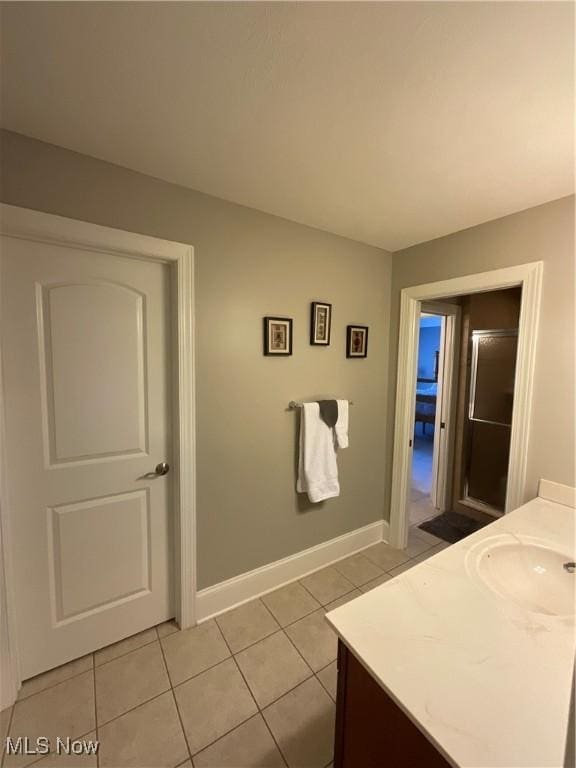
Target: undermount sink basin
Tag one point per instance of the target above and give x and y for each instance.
(527, 571)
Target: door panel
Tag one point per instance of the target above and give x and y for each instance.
(118, 529)
(74, 318)
(491, 399)
(488, 456)
(492, 376)
(86, 360)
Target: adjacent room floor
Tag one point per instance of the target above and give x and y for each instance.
(254, 687)
(421, 507)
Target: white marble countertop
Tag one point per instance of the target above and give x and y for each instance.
(488, 682)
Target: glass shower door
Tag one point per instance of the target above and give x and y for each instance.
(493, 367)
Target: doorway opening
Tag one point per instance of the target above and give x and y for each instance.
(458, 451)
(470, 420)
(422, 498)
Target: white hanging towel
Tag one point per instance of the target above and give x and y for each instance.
(317, 468)
(341, 428)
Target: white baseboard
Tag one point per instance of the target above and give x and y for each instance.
(240, 589)
(561, 494)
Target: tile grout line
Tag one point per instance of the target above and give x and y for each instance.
(284, 586)
(269, 611)
(137, 706)
(175, 685)
(336, 598)
(326, 666)
(197, 674)
(83, 672)
(323, 605)
(410, 559)
(121, 655)
(175, 701)
(355, 589)
(307, 590)
(255, 600)
(285, 693)
(182, 727)
(48, 687)
(324, 687)
(246, 647)
(223, 638)
(304, 616)
(282, 629)
(317, 675)
(75, 736)
(284, 760)
(259, 711)
(320, 607)
(359, 586)
(277, 699)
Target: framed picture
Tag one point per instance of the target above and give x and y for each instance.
(356, 340)
(277, 336)
(320, 321)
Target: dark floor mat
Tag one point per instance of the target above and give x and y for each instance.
(451, 526)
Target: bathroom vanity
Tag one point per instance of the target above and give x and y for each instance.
(371, 729)
(467, 658)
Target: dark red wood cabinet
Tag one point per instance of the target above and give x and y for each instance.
(371, 730)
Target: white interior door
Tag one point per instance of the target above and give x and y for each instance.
(439, 424)
(86, 361)
(443, 427)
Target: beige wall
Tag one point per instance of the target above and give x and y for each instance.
(248, 264)
(543, 233)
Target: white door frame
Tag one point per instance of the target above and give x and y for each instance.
(25, 224)
(529, 278)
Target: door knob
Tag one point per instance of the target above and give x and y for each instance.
(163, 468)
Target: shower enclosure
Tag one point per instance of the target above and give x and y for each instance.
(491, 398)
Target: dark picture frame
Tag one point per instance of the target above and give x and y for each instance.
(356, 341)
(277, 336)
(320, 323)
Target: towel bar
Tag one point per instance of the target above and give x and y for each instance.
(293, 404)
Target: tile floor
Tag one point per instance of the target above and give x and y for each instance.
(421, 508)
(254, 687)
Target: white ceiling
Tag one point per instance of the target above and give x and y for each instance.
(390, 123)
